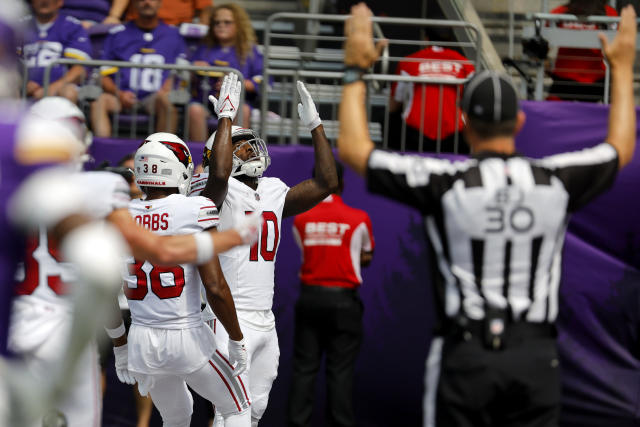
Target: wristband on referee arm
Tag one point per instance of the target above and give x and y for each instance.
(116, 332)
(204, 247)
(353, 74)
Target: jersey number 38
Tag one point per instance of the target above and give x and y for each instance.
(153, 280)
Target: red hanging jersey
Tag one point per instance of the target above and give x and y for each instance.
(439, 63)
(581, 65)
(331, 236)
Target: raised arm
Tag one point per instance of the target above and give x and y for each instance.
(354, 142)
(117, 10)
(221, 157)
(309, 193)
(622, 114)
(171, 250)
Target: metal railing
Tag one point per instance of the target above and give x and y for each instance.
(180, 95)
(545, 26)
(287, 59)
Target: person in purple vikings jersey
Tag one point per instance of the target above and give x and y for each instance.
(231, 42)
(147, 40)
(91, 12)
(52, 35)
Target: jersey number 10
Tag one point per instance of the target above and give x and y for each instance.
(266, 253)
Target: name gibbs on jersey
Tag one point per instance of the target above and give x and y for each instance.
(269, 228)
(154, 222)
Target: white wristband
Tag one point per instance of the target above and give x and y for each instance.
(204, 247)
(116, 332)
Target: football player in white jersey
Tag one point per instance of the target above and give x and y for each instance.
(41, 313)
(169, 344)
(51, 199)
(237, 187)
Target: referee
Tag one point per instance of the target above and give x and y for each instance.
(496, 223)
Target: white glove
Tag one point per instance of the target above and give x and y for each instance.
(248, 227)
(229, 97)
(307, 109)
(122, 364)
(238, 353)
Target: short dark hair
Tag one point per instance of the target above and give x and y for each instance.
(488, 130)
(125, 158)
(439, 34)
(587, 7)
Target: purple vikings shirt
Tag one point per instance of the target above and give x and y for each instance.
(11, 175)
(87, 10)
(64, 38)
(218, 56)
(162, 45)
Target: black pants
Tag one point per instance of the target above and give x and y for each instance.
(518, 386)
(329, 321)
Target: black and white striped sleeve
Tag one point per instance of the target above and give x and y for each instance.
(586, 173)
(410, 179)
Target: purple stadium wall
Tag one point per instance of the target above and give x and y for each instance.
(600, 295)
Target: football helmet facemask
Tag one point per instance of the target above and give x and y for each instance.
(163, 160)
(255, 165)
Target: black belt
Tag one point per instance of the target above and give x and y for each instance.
(466, 329)
(321, 289)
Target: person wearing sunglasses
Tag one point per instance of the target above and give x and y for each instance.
(231, 42)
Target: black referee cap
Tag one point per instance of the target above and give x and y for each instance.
(490, 97)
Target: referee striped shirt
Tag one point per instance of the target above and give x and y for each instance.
(496, 222)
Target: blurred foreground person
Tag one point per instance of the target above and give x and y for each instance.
(41, 313)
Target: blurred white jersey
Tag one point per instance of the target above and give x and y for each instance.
(249, 271)
(167, 297)
(42, 277)
(42, 310)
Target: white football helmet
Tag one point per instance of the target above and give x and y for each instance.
(253, 166)
(61, 109)
(163, 160)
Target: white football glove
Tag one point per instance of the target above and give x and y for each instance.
(307, 109)
(122, 364)
(238, 353)
(229, 98)
(248, 227)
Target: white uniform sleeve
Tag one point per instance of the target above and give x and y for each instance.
(208, 215)
(198, 182)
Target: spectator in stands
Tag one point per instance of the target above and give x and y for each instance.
(92, 12)
(420, 102)
(52, 35)
(175, 12)
(147, 40)
(231, 42)
(578, 74)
